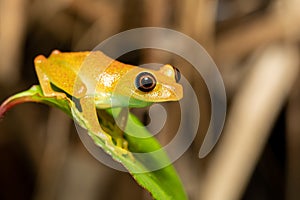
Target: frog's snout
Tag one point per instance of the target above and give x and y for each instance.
(176, 92)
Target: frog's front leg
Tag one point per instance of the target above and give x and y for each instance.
(118, 130)
(115, 126)
(90, 115)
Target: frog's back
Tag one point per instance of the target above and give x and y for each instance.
(67, 68)
(75, 60)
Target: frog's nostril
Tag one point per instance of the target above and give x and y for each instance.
(176, 92)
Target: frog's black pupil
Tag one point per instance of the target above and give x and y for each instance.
(145, 82)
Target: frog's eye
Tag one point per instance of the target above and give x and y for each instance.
(145, 82)
(177, 74)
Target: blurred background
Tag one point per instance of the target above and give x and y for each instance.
(255, 45)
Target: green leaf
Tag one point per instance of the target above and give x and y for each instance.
(162, 183)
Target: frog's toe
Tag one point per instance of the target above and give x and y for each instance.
(122, 151)
(55, 52)
(58, 95)
(125, 144)
(122, 143)
(39, 59)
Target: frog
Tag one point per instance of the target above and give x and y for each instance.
(96, 81)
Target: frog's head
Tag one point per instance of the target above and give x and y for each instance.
(148, 86)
